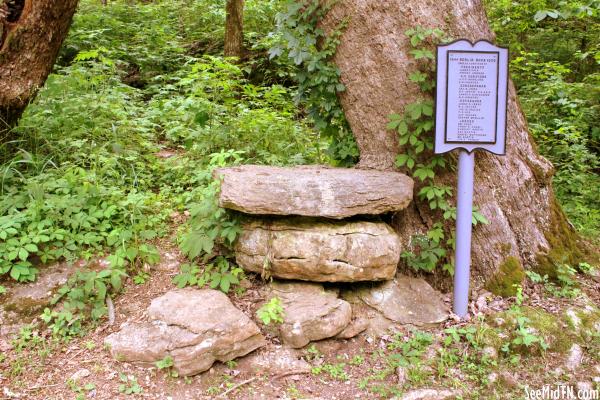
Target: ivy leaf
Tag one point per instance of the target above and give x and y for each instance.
(392, 125)
(401, 159)
(427, 109)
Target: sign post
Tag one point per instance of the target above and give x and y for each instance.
(471, 99)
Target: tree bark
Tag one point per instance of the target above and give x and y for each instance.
(31, 33)
(234, 29)
(514, 191)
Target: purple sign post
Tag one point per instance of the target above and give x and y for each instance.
(471, 99)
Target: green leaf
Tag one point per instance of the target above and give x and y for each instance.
(32, 248)
(23, 254)
(201, 118)
(402, 128)
(392, 125)
(131, 253)
(427, 109)
(101, 289)
(224, 284)
(401, 159)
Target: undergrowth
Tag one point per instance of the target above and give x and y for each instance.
(86, 177)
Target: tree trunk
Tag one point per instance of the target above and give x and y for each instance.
(514, 191)
(31, 33)
(234, 29)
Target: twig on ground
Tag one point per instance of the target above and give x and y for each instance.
(288, 373)
(225, 393)
(74, 355)
(31, 389)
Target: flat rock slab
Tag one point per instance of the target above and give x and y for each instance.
(310, 312)
(29, 299)
(330, 251)
(403, 301)
(313, 191)
(23, 302)
(194, 327)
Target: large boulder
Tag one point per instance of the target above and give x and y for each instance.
(194, 327)
(319, 251)
(313, 191)
(403, 301)
(310, 312)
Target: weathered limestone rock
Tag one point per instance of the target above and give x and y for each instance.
(297, 248)
(273, 361)
(310, 312)
(29, 299)
(194, 327)
(313, 191)
(403, 301)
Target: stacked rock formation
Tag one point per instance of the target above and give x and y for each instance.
(317, 224)
(316, 242)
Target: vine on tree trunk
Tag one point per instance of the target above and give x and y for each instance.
(415, 134)
(306, 44)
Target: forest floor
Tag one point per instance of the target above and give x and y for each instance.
(465, 358)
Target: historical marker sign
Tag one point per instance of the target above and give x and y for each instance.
(471, 99)
(472, 82)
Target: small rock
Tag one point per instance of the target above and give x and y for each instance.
(355, 327)
(82, 373)
(482, 301)
(574, 319)
(490, 352)
(5, 346)
(492, 378)
(574, 358)
(310, 312)
(429, 394)
(275, 361)
(499, 322)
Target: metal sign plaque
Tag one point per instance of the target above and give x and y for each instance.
(471, 97)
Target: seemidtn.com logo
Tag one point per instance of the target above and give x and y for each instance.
(561, 392)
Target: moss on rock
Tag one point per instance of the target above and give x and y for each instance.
(510, 274)
(565, 247)
(553, 328)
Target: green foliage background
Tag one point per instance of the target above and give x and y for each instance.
(142, 107)
(555, 48)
